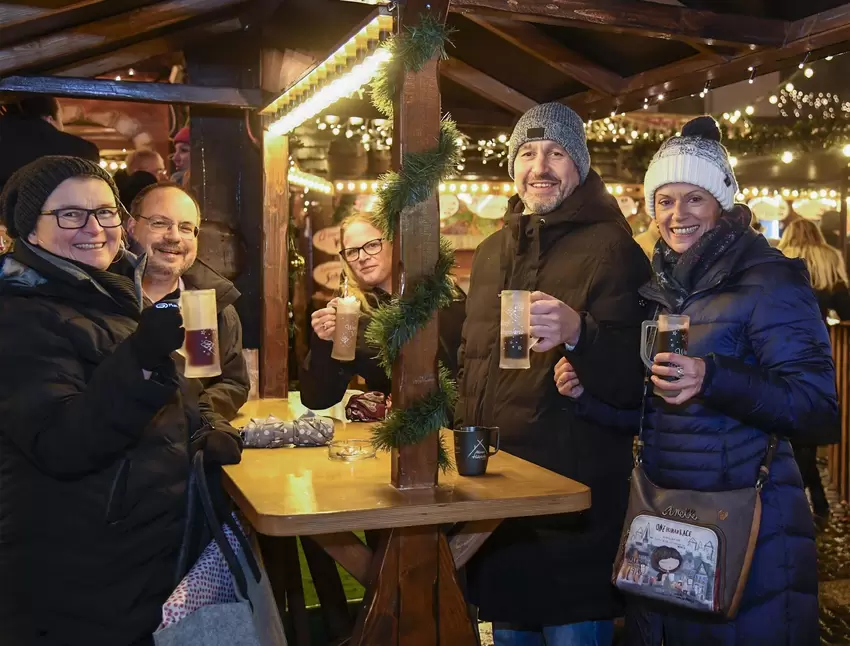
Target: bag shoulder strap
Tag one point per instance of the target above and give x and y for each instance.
(772, 444)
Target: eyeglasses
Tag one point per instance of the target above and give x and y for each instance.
(352, 254)
(76, 217)
(186, 230)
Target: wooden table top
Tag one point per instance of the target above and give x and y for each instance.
(300, 491)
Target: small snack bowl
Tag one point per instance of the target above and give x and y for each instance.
(351, 450)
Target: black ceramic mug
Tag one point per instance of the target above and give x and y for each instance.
(473, 448)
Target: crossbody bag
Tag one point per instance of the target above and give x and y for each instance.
(689, 549)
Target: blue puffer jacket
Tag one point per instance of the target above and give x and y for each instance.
(755, 320)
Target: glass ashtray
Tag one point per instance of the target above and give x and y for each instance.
(351, 450)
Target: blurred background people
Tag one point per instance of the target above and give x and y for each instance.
(803, 239)
(33, 128)
(181, 155)
(95, 425)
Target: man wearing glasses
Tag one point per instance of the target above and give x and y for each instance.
(164, 224)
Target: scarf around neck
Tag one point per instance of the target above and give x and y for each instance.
(678, 274)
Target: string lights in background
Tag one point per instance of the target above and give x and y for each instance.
(310, 182)
(371, 133)
(368, 186)
(113, 165)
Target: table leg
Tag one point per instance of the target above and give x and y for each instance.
(333, 604)
(468, 537)
(413, 598)
(280, 555)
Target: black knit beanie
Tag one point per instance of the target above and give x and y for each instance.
(28, 188)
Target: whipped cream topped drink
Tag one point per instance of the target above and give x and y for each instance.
(345, 335)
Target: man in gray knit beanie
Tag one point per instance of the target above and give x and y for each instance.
(553, 157)
(566, 242)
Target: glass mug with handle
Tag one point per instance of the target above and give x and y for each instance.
(670, 335)
(515, 340)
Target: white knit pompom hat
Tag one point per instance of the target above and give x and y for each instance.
(696, 157)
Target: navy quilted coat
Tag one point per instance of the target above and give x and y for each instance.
(755, 319)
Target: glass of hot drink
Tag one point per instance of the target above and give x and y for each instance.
(345, 334)
(514, 339)
(200, 319)
(669, 334)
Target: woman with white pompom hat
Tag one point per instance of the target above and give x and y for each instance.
(758, 363)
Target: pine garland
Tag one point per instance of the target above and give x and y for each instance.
(418, 178)
(410, 52)
(404, 427)
(394, 324)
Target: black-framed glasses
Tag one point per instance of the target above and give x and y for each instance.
(186, 230)
(352, 254)
(76, 217)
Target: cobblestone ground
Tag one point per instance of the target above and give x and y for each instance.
(833, 573)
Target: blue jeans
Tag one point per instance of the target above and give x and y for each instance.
(587, 633)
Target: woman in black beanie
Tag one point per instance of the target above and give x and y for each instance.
(94, 427)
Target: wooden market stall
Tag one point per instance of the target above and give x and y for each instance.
(246, 77)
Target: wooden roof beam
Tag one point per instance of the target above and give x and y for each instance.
(135, 54)
(689, 76)
(80, 88)
(641, 18)
(485, 86)
(44, 22)
(533, 41)
(86, 41)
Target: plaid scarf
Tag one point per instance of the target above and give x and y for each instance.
(677, 274)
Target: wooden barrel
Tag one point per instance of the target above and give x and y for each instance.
(379, 162)
(347, 159)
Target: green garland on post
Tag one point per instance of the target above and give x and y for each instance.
(395, 323)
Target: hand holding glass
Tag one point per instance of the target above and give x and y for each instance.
(670, 335)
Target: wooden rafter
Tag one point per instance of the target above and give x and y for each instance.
(533, 41)
(109, 34)
(82, 88)
(47, 22)
(642, 18)
(486, 86)
(146, 50)
(690, 75)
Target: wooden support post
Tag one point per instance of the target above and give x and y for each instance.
(415, 251)
(226, 174)
(274, 347)
(414, 599)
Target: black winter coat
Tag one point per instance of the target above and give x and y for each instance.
(94, 460)
(23, 140)
(557, 569)
(323, 379)
(223, 395)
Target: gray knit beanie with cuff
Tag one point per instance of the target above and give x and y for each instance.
(28, 188)
(552, 122)
(696, 157)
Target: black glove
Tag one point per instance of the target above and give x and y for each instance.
(160, 332)
(221, 444)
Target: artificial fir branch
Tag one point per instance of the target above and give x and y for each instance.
(394, 324)
(410, 52)
(417, 180)
(414, 424)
